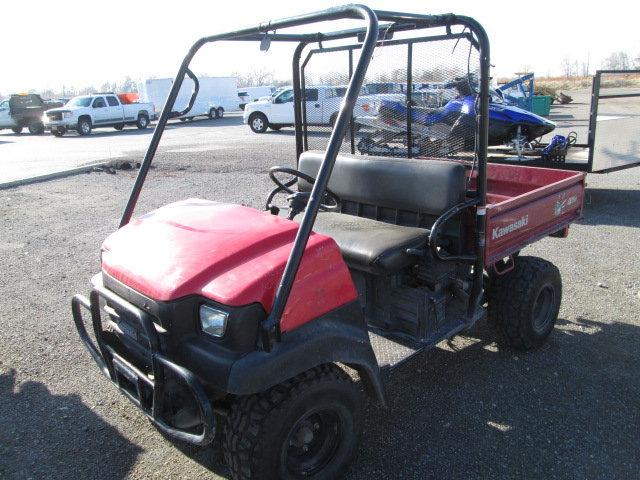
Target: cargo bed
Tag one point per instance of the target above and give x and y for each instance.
(525, 204)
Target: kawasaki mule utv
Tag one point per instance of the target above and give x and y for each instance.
(221, 320)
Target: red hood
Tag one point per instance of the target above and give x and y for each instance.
(231, 254)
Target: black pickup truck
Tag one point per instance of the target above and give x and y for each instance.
(25, 110)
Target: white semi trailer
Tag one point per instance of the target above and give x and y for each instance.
(216, 95)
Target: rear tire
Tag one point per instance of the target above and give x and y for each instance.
(142, 122)
(213, 114)
(306, 427)
(84, 126)
(59, 132)
(119, 126)
(36, 127)
(524, 303)
(220, 112)
(17, 130)
(258, 122)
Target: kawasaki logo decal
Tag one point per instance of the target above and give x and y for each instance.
(562, 204)
(512, 227)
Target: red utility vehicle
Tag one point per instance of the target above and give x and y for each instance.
(221, 320)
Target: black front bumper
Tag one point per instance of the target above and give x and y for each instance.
(145, 391)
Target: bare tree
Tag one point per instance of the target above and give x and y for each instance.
(48, 94)
(87, 90)
(617, 61)
(335, 78)
(585, 66)
(255, 78)
(128, 85)
(567, 66)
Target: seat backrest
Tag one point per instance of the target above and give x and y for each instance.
(395, 190)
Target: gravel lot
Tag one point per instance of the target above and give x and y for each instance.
(467, 409)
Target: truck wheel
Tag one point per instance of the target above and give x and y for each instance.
(84, 126)
(17, 130)
(59, 132)
(119, 126)
(220, 112)
(306, 427)
(36, 127)
(213, 114)
(143, 121)
(524, 303)
(258, 122)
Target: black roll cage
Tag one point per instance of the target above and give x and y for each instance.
(371, 33)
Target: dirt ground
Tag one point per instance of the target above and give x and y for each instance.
(467, 409)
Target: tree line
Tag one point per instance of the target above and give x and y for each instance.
(620, 60)
(126, 85)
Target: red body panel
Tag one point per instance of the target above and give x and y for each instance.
(525, 204)
(231, 254)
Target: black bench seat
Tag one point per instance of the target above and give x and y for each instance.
(388, 205)
(370, 245)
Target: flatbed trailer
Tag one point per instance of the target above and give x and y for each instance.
(606, 134)
(613, 128)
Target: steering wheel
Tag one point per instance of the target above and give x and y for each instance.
(298, 200)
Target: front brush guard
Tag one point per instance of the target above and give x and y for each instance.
(129, 379)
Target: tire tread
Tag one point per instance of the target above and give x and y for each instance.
(509, 316)
(248, 415)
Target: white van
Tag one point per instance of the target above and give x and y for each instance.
(216, 95)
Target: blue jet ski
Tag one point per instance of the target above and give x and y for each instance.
(450, 128)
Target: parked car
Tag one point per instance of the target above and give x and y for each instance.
(216, 95)
(86, 112)
(25, 110)
(322, 105)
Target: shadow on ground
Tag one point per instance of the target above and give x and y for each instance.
(539, 414)
(40, 431)
(526, 415)
(609, 206)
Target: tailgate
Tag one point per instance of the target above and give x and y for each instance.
(521, 220)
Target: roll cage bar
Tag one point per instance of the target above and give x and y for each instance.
(369, 36)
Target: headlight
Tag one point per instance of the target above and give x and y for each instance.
(67, 114)
(213, 322)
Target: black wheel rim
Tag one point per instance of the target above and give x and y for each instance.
(543, 309)
(312, 443)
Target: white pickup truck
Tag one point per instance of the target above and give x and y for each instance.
(322, 105)
(87, 112)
